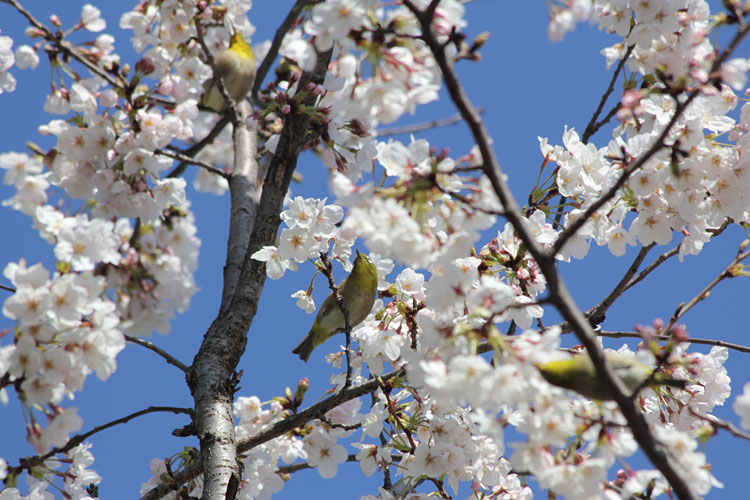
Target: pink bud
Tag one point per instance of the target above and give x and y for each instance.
(631, 99)
(166, 86)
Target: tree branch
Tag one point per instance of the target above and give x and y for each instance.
(185, 159)
(711, 342)
(596, 314)
(286, 25)
(64, 46)
(31, 462)
(419, 127)
(660, 143)
(198, 146)
(212, 378)
(592, 127)
(158, 350)
(703, 294)
(280, 428)
(558, 293)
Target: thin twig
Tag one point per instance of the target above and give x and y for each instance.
(65, 46)
(703, 294)
(558, 292)
(711, 342)
(289, 469)
(8, 288)
(198, 146)
(346, 427)
(715, 422)
(612, 113)
(467, 201)
(592, 127)
(30, 462)
(280, 428)
(420, 127)
(650, 268)
(596, 314)
(190, 161)
(158, 350)
(659, 144)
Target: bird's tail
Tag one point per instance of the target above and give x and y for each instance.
(304, 348)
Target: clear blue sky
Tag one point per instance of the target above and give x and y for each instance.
(528, 87)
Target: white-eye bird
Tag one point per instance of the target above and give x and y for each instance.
(578, 373)
(236, 66)
(358, 291)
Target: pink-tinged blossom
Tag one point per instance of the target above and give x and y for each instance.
(57, 432)
(651, 228)
(371, 457)
(17, 166)
(734, 73)
(296, 244)
(68, 301)
(411, 283)
(7, 59)
(301, 212)
(324, 453)
(31, 193)
(208, 182)
(20, 274)
(304, 301)
(28, 304)
(91, 18)
(26, 57)
(79, 477)
(741, 406)
(404, 161)
(82, 100)
(84, 243)
(687, 461)
(276, 266)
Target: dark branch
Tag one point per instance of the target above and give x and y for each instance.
(286, 25)
(31, 462)
(158, 350)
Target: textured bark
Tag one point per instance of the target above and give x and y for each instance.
(212, 377)
(245, 187)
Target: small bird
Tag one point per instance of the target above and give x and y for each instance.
(358, 291)
(237, 68)
(577, 373)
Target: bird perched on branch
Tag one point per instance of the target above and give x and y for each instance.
(236, 66)
(578, 373)
(358, 291)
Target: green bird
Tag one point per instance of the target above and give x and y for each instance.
(237, 68)
(577, 373)
(358, 290)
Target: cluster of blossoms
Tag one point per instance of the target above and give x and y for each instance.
(80, 481)
(428, 212)
(113, 277)
(710, 186)
(432, 326)
(693, 185)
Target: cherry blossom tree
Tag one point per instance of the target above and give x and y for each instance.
(471, 295)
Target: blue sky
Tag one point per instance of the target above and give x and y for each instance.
(528, 87)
